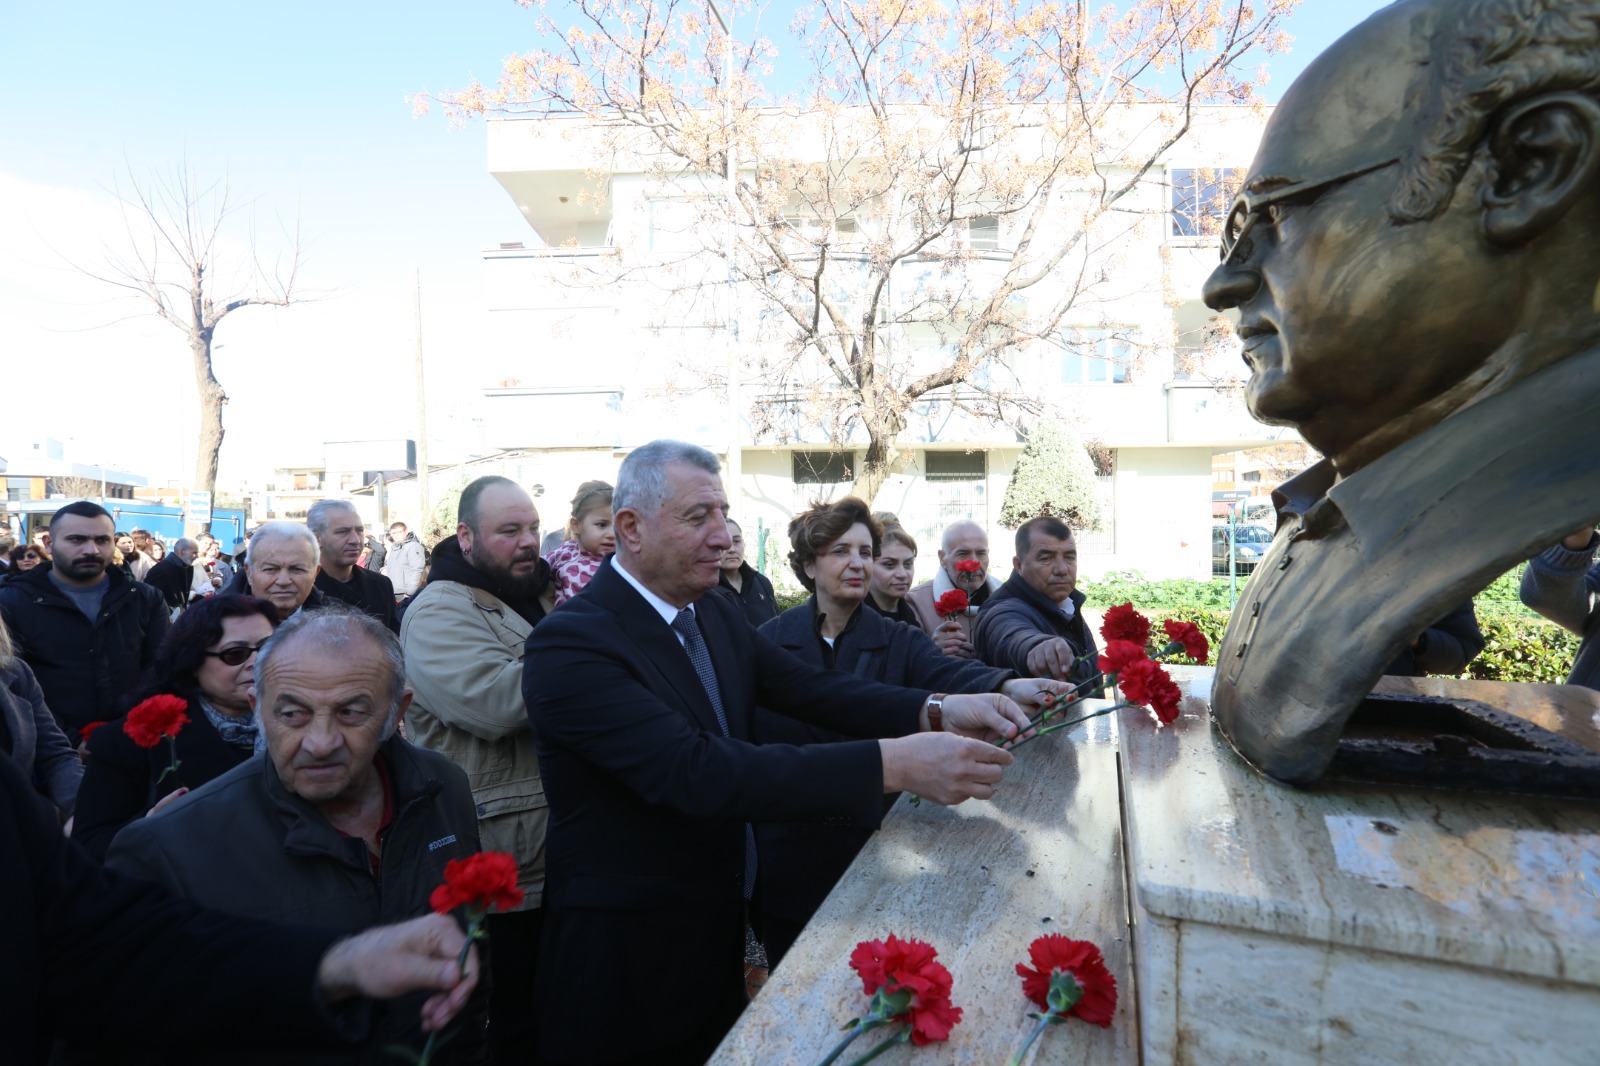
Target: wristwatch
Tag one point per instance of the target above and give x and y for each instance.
(935, 709)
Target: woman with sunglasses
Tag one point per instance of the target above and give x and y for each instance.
(208, 658)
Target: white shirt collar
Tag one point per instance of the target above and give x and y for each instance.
(663, 608)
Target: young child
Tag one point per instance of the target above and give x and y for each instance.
(589, 540)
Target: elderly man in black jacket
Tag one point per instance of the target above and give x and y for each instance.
(86, 631)
(343, 825)
(1034, 624)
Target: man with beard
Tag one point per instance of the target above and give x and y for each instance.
(463, 636)
(341, 536)
(964, 565)
(86, 631)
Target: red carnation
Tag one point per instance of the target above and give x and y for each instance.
(1194, 642)
(951, 604)
(968, 566)
(1164, 697)
(1055, 956)
(83, 733)
(1124, 623)
(1147, 683)
(1119, 655)
(483, 882)
(157, 717)
(894, 967)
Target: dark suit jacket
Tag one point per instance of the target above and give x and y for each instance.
(648, 801)
(801, 861)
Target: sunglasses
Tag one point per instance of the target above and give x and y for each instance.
(238, 654)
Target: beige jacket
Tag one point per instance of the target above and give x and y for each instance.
(464, 661)
(922, 598)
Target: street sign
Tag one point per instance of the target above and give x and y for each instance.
(1230, 495)
(199, 510)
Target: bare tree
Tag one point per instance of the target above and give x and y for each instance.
(74, 486)
(949, 189)
(176, 259)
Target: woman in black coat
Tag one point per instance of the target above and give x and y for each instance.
(833, 550)
(206, 658)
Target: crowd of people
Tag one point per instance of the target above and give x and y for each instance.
(673, 762)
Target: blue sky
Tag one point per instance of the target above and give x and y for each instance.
(303, 106)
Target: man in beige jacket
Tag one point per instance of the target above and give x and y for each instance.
(463, 636)
(965, 542)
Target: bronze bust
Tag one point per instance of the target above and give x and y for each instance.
(1415, 257)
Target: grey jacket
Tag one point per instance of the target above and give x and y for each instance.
(1564, 586)
(403, 565)
(38, 747)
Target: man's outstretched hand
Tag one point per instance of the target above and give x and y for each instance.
(942, 767)
(393, 960)
(987, 716)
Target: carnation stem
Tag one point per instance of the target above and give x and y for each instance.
(855, 1031)
(903, 1037)
(1014, 745)
(474, 932)
(1044, 1023)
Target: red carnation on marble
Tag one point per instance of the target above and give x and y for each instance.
(968, 566)
(951, 604)
(1194, 642)
(907, 984)
(1122, 622)
(157, 717)
(1055, 956)
(1119, 655)
(483, 882)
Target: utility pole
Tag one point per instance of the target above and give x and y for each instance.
(731, 328)
(424, 508)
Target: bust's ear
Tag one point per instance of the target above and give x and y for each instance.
(1546, 153)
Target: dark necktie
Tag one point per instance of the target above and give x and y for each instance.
(686, 628)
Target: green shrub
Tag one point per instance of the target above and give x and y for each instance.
(787, 598)
(1523, 649)
(1053, 476)
(1131, 586)
(1209, 621)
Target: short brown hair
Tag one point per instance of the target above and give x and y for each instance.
(811, 531)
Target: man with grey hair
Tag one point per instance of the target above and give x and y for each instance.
(282, 568)
(642, 694)
(964, 565)
(464, 635)
(173, 576)
(340, 539)
(342, 825)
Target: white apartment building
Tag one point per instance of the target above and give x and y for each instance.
(616, 325)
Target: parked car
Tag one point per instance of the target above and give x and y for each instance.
(1250, 544)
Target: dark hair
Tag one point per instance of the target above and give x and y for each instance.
(183, 649)
(82, 509)
(23, 549)
(467, 509)
(811, 531)
(1050, 525)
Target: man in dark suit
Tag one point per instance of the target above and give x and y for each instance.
(641, 693)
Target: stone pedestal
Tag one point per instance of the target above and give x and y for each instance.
(979, 882)
(1351, 924)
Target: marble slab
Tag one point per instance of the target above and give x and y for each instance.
(1349, 923)
(979, 882)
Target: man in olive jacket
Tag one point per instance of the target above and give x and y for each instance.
(463, 636)
(342, 825)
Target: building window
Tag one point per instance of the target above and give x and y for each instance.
(1097, 356)
(955, 466)
(1250, 475)
(823, 468)
(983, 233)
(1201, 199)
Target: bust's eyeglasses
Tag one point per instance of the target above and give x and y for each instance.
(1248, 207)
(238, 654)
